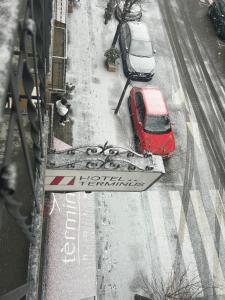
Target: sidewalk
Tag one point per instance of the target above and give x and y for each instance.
(70, 271)
(69, 259)
(63, 133)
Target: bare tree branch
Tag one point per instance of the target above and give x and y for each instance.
(176, 287)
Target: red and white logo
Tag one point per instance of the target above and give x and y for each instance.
(60, 180)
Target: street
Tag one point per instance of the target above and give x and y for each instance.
(179, 223)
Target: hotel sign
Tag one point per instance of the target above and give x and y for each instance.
(122, 171)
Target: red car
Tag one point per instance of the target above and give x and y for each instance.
(150, 117)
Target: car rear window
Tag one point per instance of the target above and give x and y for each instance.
(141, 48)
(157, 124)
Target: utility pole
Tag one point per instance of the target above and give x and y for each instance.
(122, 95)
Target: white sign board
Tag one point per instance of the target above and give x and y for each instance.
(96, 180)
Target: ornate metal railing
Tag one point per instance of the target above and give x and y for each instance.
(21, 73)
(104, 157)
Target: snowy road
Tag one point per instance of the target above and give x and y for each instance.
(180, 221)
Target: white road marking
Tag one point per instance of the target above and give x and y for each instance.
(184, 239)
(194, 130)
(178, 97)
(208, 243)
(160, 233)
(219, 209)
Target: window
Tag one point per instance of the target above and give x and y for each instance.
(140, 106)
(124, 32)
(128, 36)
(141, 48)
(138, 98)
(157, 124)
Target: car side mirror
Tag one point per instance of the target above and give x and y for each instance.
(154, 51)
(222, 16)
(172, 123)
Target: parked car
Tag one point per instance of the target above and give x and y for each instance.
(216, 13)
(137, 51)
(134, 14)
(151, 121)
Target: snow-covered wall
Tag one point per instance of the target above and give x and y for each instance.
(9, 12)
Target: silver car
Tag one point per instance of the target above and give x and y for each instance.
(137, 52)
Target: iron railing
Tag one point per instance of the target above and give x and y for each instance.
(23, 69)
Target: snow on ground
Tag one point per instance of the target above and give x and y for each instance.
(126, 242)
(135, 232)
(122, 246)
(97, 91)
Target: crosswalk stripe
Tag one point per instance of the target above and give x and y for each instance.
(184, 238)
(208, 243)
(160, 233)
(219, 209)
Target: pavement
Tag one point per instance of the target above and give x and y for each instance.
(69, 239)
(70, 271)
(63, 133)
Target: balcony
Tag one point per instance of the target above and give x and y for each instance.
(25, 29)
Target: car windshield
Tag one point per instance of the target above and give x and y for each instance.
(141, 48)
(157, 124)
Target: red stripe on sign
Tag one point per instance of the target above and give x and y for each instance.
(72, 181)
(57, 180)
